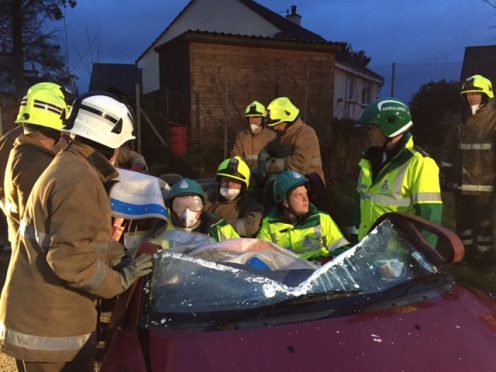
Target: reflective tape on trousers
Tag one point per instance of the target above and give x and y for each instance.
(483, 188)
(475, 146)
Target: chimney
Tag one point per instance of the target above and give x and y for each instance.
(293, 16)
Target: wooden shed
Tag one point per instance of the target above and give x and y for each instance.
(208, 78)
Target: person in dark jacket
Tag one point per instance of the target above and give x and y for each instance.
(468, 166)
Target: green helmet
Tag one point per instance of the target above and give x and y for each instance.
(235, 168)
(285, 182)
(44, 105)
(478, 84)
(255, 109)
(281, 110)
(389, 114)
(185, 187)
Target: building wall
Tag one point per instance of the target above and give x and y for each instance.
(226, 78)
(352, 93)
(226, 16)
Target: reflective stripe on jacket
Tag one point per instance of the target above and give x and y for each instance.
(315, 237)
(248, 145)
(60, 265)
(409, 179)
(469, 154)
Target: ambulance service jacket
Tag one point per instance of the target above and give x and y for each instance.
(409, 183)
(315, 237)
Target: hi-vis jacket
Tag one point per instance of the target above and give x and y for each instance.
(409, 183)
(469, 154)
(27, 161)
(314, 238)
(248, 145)
(297, 149)
(60, 265)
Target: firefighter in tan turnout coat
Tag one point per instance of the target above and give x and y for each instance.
(296, 146)
(251, 141)
(64, 257)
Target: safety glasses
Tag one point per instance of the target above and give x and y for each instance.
(181, 203)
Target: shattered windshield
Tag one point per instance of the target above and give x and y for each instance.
(242, 276)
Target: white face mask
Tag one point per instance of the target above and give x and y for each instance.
(229, 194)
(255, 128)
(474, 108)
(189, 218)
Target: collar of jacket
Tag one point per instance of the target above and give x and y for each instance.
(278, 216)
(400, 158)
(24, 139)
(105, 170)
(293, 127)
(406, 142)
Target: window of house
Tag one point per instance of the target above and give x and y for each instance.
(366, 94)
(349, 87)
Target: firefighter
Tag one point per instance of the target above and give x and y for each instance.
(231, 202)
(296, 146)
(41, 115)
(250, 141)
(296, 224)
(186, 203)
(468, 164)
(394, 176)
(127, 158)
(62, 261)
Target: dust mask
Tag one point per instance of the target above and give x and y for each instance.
(228, 193)
(255, 128)
(189, 218)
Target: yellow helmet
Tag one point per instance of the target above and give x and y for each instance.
(235, 168)
(44, 105)
(281, 110)
(478, 84)
(255, 109)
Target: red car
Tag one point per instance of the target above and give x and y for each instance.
(387, 304)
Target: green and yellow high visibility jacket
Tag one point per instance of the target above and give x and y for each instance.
(315, 237)
(408, 183)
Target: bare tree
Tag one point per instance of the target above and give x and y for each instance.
(27, 39)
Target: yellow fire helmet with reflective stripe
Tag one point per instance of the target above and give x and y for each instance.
(478, 84)
(44, 105)
(281, 110)
(235, 168)
(255, 109)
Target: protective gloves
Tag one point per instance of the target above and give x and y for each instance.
(140, 266)
(263, 156)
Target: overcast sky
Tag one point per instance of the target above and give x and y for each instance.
(406, 32)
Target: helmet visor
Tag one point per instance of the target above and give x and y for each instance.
(191, 202)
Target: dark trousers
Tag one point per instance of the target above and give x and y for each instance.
(475, 223)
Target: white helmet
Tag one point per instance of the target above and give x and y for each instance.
(102, 118)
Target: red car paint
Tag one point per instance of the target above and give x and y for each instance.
(455, 331)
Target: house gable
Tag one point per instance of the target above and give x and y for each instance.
(241, 17)
(480, 60)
